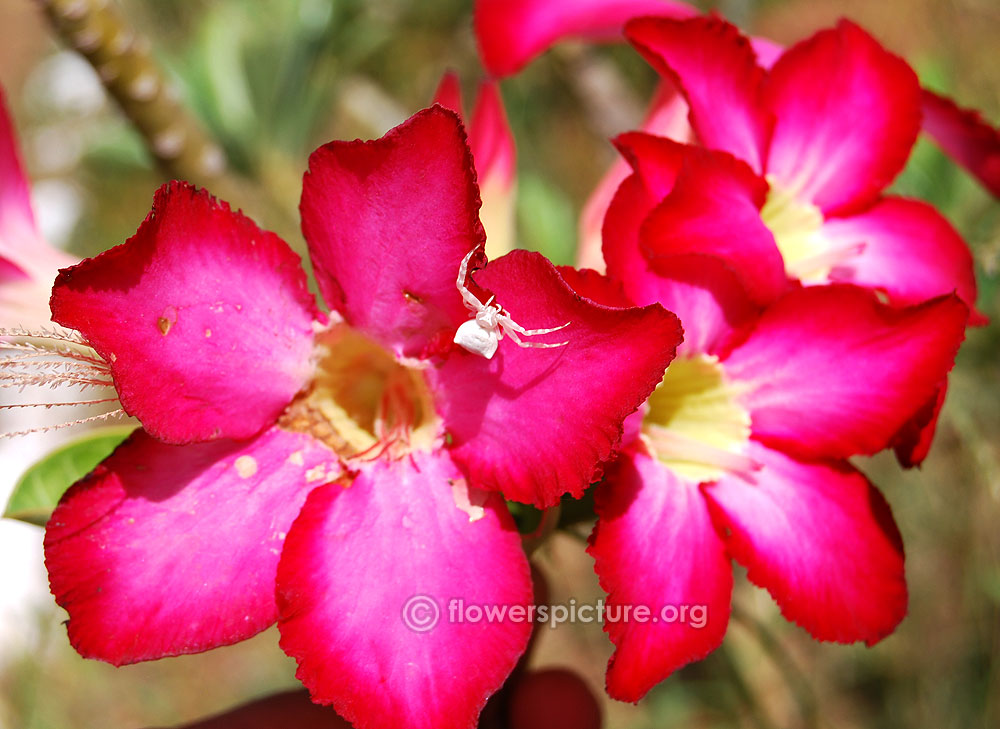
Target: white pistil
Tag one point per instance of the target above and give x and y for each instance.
(677, 447)
(821, 263)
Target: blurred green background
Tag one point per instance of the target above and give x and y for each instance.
(273, 79)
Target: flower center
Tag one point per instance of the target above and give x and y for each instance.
(362, 401)
(695, 424)
(796, 226)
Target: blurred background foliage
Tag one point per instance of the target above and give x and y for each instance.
(273, 79)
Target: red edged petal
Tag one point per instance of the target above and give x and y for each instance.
(710, 301)
(911, 252)
(965, 136)
(913, 442)
(495, 154)
(847, 113)
(716, 68)
(288, 709)
(657, 162)
(388, 222)
(369, 587)
(28, 264)
(821, 539)
(205, 319)
(829, 372)
(655, 546)
(17, 221)
(667, 117)
(449, 93)
(708, 297)
(595, 286)
(714, 210)
(536, 423)
(490, 137)
(510, 33)
(165, 550)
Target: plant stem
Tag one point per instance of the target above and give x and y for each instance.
(175, 138)
(122, 59)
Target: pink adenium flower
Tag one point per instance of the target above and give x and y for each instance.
(829, 126)
(828, 142)
(684, 201)
(742, 454)
(512, 33)
(28, 264)
(345, 463)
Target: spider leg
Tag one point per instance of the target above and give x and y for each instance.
(511, 328)
(471, 302)
(511, 324)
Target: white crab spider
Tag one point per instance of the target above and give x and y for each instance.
(490, 322)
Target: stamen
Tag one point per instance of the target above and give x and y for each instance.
(48, 405)
(50, 358)
(32, 351)
(46, 428)
(51, 380)
(54, 332)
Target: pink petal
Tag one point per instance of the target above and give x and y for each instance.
(911, 252)
(590, 242)
(165, 550)
(657, 162)
(449, 93)
(710, 301)
(490, 137)
(24, 302)
(667, 117)
(965, 136)
(714, 210)
(536, 423)
(511, 33)
(715, 67)
(768, 52)
(822, 540)
(829, 372)
(28, 264)
(388, 223)
(595, 286)
(913, 442)
(288, 709)
(18, 231)
(708, 297)
(655, 546)
(495, 154)
(847, 113)
(205, 319)
(390, 547)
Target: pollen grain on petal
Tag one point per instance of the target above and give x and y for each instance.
(246, 466)
(167, 319)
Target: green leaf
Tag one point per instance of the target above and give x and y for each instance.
(40, 488)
